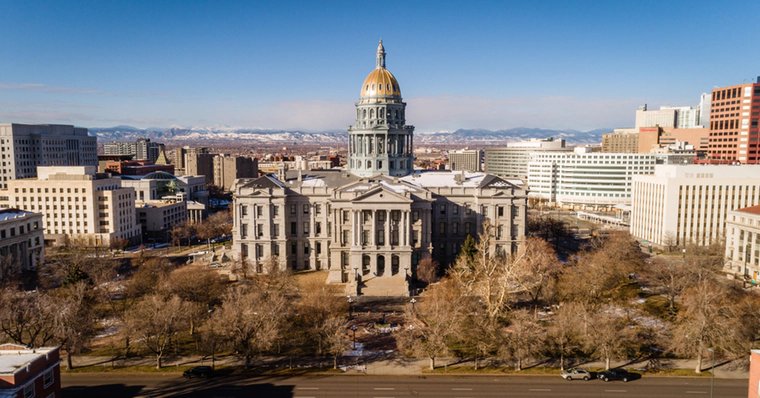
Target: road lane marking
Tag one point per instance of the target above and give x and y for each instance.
(385, 388)
(616, 390)
(461, 389)
(540, 389)
(696, 392)
(307, 388)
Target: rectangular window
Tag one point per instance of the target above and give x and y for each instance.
(293, 209)
(365, 237)
(395, 215)
(501, 211)
(443, 208)
(306, 228)
(317, 228)
(29, 391)
(381, 238)
(260, 230)
(345, 215)
(259, 211)
(243, 211)
(293, 228)
(442, 229)
(276, 211)
(275, 231)
(243, 231)
(468, 228)
(276, 249)
(346, 236)
(293, 248)
(305, 209)
(394, 237)
(318, 209)
(306, 248)
(47, 378)
(415, 215)
(380, 216)
(366, 214)
(455, 209)
(455, 228)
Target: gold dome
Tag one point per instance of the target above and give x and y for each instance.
(381, 83)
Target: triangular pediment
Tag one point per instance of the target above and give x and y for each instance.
(381, 195)
(493, 181)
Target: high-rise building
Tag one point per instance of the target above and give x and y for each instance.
(120, 148)
(512, 161)
(372, 226)
(465, 160)
(229, 168)
(704, 110)
(147, 150)
(651, 118)
(23, 147)
(380, 142)
(734, 118)
(689, 203)
(78, 204)
(621, 141)
(200, 164)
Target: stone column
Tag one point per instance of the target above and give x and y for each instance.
(355, 228)
(373, 231)
(388, 228)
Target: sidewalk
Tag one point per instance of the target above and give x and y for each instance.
(384, 365)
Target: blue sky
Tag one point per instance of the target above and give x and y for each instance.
(288, 65)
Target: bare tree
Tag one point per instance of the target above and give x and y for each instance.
(491, 275)
(200, 288)
(318, 305)
(564, 334)
(703, 320)
(74, 318)
(155, 319)
(672, 277)
(670, 240)
(539, 267)
(27, 317)
(608, 334)
(250, 320)
(524, 338)
(435, 321)
(335, 340)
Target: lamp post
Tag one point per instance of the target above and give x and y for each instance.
(353, 329)
(350, 306)
(413, 301)
(683, 257)
(712, 380)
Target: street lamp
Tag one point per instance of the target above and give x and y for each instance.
(356, 273)
(353, 328)
(413, 301)
(712, 380)
(683, 258)
(350, 306)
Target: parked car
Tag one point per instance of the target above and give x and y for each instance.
(214, 265)
(614, 374)
(575, 374)
(198, 371)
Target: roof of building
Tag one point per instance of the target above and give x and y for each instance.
(752, 209)
(159, 175)
(8, 214)
(14, 357)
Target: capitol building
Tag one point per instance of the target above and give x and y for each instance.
(372, 223)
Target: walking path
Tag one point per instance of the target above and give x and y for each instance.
(393, 364)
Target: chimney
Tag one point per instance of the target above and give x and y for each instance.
(300, 176)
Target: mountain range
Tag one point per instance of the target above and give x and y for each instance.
(219, 134)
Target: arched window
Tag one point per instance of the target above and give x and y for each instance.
(365, 113)
(382, 113)
(369, 164)
(371, 113)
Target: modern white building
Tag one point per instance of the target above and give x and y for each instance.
(690, 203)
(743, 242)
(512, 161)
(78, 205)
(586, 180)
(21, 240)
(23, 147)
(465, 160)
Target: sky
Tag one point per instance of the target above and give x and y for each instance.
(300, 65)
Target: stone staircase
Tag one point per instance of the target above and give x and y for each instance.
(384, 286)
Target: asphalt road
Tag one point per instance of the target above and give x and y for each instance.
(149, 385)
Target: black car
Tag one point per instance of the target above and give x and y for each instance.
(614, 374)
(199, 371)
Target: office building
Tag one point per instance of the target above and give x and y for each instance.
(743, 242)
(664, 117)
(465, 160)
(147, 150)
(120, 148)
(512, 161)
(158, 217)
(690, 203)
(21, 240)
(200, 164)
(621, 141)
(734, 114)
(27, 372)
(162, 186)
(372, 224)
(650, 139)
(229, 168)
(584, 179)
(79, 206)
(23, 147)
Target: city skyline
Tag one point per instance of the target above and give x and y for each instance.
(495, 66)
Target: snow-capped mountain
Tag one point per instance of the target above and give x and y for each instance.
(464, 137)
